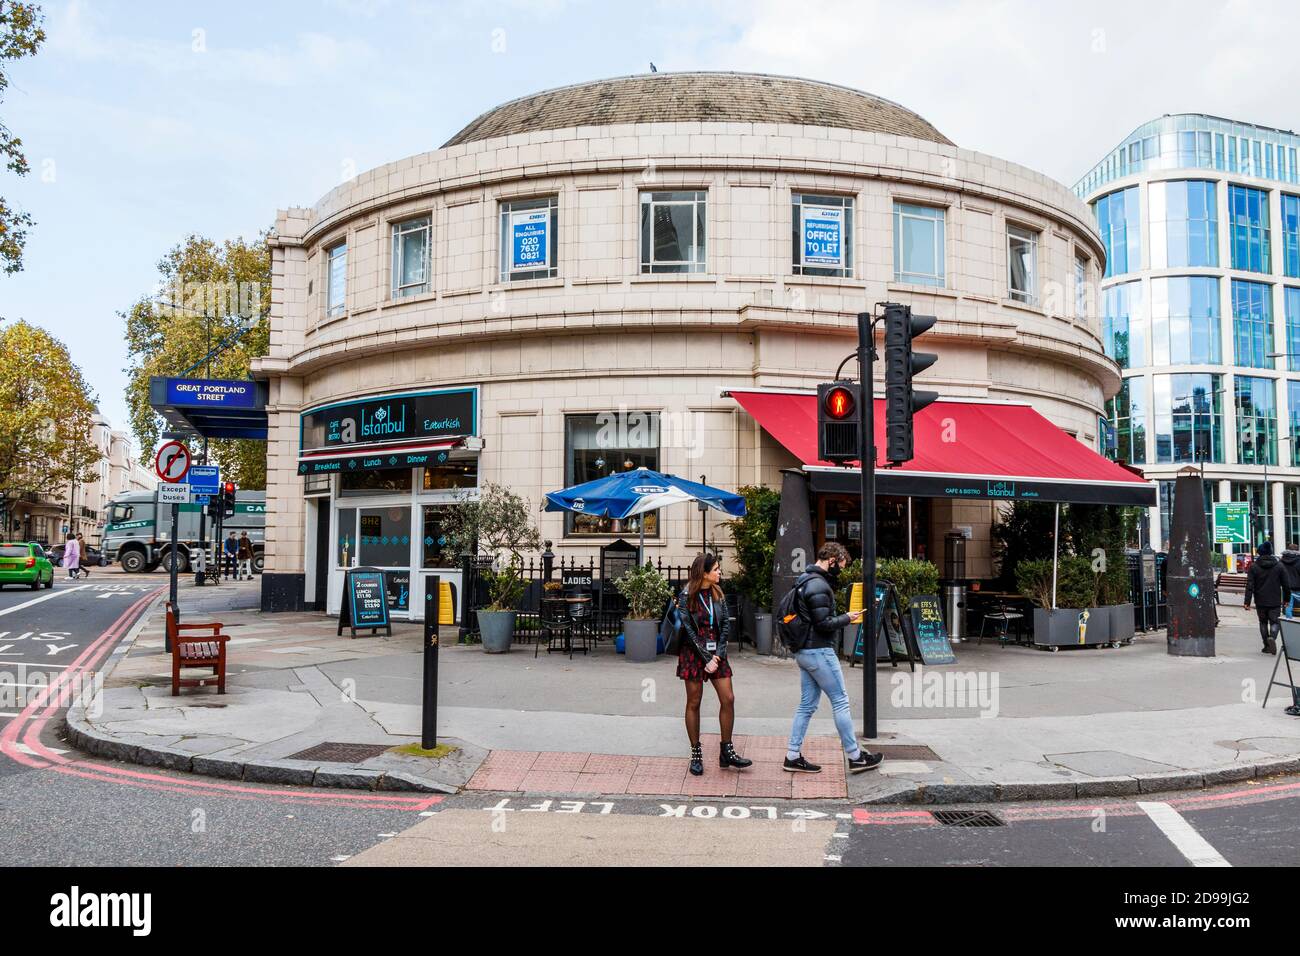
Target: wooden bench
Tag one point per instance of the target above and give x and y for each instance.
(206, 651)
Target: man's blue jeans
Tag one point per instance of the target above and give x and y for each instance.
(819, 669)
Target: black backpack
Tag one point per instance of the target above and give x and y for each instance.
(792, 622)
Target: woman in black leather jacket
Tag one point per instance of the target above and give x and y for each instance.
(702, 655)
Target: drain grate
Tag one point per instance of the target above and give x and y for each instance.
(906, 752)
(967, 818)
(332, 752)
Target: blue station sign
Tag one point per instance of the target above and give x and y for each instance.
(211, 393)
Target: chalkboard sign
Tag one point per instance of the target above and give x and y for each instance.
(397, 585)
(891, 640)
(365, 601)
(931, 636)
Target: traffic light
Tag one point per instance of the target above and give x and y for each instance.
(227, 499)
(901, 363)
(839, 412)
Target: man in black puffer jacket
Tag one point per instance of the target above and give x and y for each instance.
(1291, 568)
(1266, 582)
(819, 668)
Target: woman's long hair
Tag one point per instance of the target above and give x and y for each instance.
(702, 565)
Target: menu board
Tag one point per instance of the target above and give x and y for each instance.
(931, 635)
(365, 601)
(397, 585)
(891, 642)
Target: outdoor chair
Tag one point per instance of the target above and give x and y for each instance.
(555, 622)
(1001, 616)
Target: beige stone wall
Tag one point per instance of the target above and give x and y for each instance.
(603, 336)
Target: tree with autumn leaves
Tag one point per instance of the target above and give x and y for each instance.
(46, 413)
(212, 298)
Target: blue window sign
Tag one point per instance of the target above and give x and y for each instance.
(823, 236)
(530, 244)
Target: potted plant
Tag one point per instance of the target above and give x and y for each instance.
(1077, 618)
(754, 537)
(497, 523)
(1102, 534)
(646, 592)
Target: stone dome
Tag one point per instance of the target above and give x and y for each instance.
(699, 98)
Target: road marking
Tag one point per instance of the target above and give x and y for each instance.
(24, 748)
(44, 597)
(1182, 835)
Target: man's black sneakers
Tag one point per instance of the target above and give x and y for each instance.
(865, 761)
(1293, 710)
(1270, 646)
(799, 765)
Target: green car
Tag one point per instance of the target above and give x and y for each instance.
(25, 564)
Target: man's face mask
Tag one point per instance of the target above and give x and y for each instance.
(833, 572)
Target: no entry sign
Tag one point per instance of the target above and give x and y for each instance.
(172, 462)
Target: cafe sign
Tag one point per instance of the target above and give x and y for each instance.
(389, 420)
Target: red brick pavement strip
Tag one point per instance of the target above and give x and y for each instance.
(563, 772)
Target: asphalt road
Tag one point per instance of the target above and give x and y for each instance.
(58, 807)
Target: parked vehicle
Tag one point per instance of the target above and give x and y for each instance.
(23, 563)
(94, 557)
(138, 531)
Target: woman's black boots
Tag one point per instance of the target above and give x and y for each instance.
(729, 758)
(697, 761)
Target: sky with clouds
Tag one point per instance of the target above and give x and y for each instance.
(144, 121)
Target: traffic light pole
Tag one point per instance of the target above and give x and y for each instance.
(867, 445)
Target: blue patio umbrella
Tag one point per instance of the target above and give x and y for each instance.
(629, 493)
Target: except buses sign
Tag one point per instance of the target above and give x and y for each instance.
(1231, 522)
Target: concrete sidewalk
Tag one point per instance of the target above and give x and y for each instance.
(1003, 723)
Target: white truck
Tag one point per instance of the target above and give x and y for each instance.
(138, 530)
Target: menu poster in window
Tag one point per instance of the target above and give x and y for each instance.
(823, 236)
(931, 634)
(530, 247)
(364, 604)
(397, 584)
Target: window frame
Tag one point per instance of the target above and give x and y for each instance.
(1033, 237)
(507, 208)
(611, 527)
(401, 231)
(340, 249)
(648, 201)
(799, 200)
(937, 216)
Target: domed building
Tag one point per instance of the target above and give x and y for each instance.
(657, 271)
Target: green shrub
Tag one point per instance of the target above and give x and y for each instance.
(1076, 582)
(647, 592)
(911, 577)
(754, 536)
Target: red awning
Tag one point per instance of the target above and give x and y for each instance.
(965, 449)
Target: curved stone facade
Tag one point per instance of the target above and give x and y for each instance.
(602, 334)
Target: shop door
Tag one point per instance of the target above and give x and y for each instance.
(322, 554)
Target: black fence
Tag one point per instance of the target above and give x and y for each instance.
(570, 577)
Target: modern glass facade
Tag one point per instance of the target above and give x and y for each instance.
(1256, 407)
(1252, 324)
(1290, 226)
(1184, 219)
(1188, 418)
(1185, 326)
(1119, 218)
(1248, 218)
(1127, 411)
(1124, 324)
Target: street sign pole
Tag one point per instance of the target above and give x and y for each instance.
(867, 463)
(176, 521)
(429, 698)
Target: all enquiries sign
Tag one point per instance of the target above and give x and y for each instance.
(530, 240)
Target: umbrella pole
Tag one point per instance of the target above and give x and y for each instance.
(640, 552)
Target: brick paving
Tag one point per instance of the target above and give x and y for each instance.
(609, 774)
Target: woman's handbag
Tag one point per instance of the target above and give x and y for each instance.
(670, 629)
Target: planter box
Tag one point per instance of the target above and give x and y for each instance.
(497, 630)
(640, 640)
(1121, 622)
(1061, 627)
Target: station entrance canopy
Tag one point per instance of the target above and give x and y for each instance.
(966, 450)
(210, 407)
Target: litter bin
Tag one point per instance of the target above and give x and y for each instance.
(954, 610)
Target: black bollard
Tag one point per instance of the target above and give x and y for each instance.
(1188, 574)
(429, 716)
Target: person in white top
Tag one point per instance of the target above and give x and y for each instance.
(72, 556)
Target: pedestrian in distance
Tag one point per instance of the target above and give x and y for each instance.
(72, 556)
(81, 550)
(808, 612)
(231, 556)
(704, 627)
(1266, 583)
(245, 556)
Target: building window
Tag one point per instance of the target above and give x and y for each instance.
(530, 239)
(435, 550)
(1188, 418)
(1185, 326)
(411, 257)
(673, 231)
(1081, 291)
(1124, 325)
(1291, 303)
(1252, 324)
(1120, 224)
(918, 244)
(1022, 264)
(357, 483)
(596, 446)
(384, 537)
(1256, 421)
(1291, 236)
(1293, 409)
(336, 279)
(1248, 214)
(1292, 517)
(1184, 225)
(1127, 412)
(821, 235)
(451, 475)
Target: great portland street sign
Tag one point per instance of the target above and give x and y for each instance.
(1231, 522)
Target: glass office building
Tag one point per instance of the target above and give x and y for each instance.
(1200, 306)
